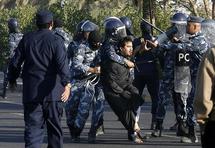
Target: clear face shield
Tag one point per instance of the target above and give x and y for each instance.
(121, 32)
(208, 30)
(181, 34)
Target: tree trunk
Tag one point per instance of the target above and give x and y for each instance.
(213, 9)
(207, 10)
(194, 8)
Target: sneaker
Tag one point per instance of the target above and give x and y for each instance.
(186, 140)
(156, 133)
(194, 139)
(100, 130)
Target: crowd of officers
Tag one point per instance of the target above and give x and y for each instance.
(115, 68)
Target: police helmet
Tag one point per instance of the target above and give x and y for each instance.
(126, 21)
(114, 28)
(13, 25)
(179, 18)
(86, 26)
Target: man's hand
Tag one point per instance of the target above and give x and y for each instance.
(151, 44)
(12, 86)
(96, 70)
(129, 63)
(66, 93)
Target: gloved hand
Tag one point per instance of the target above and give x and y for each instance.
(126, 94)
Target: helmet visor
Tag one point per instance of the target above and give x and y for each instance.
(121, 32)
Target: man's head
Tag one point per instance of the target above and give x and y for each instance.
(94, 40)
(126, 46)
(179, 20)
(114, 29)
(13, 25)
(194, 24)
(84, 27)
(44, 19)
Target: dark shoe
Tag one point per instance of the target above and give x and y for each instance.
(91, 138)
(153, 126)
(100, 130)
(158, 129)
(157, 133)
(75, 139)
(174, 127)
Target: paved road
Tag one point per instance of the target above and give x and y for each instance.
(12, 127)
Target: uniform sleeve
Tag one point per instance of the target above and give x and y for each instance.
(113, 71)
(203, 96)
(111, 53)
(62, 62)
(11, 45)
(78, 60)
(199, 44)
(16, 62)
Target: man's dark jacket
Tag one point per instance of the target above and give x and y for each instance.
(45, 70)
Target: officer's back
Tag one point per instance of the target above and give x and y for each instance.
(39, 71)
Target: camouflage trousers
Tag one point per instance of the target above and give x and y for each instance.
(78, 107)
(182, 102)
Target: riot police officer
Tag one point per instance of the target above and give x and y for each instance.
(85, 63)
(166, 90)
(128, 25)
(46, 82)
(14, 38)
(146, 72)
(188, 56)
(58, 30)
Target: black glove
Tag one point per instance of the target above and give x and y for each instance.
(126, 94)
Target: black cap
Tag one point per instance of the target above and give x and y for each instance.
(194, 19)
(44, 17)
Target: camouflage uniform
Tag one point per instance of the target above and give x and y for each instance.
(87, 93)
(196, 46)
(64, 35)
(13, 41)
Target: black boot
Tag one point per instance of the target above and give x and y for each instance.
(192, 134)
(92, 135)
(75, 133)
(158, 129)
(153, 123)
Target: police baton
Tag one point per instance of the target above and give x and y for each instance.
(158, 29)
